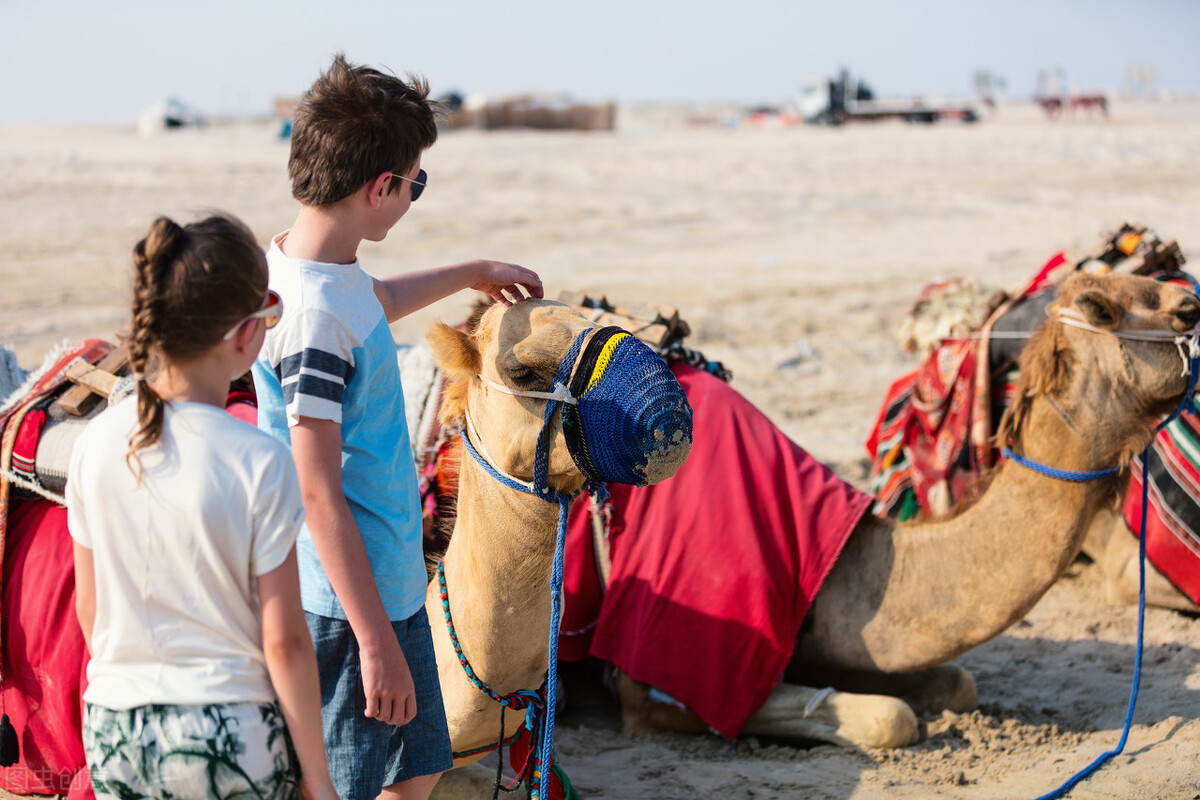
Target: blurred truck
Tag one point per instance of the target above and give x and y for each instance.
(835, 101)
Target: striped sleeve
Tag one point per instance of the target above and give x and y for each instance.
(317, 364)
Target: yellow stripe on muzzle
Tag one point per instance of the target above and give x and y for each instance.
(603, 359)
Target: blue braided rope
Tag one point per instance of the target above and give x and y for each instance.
(1054, 472)
(545, 737)
(1103, 758)
(1187, 403)
(541, 458)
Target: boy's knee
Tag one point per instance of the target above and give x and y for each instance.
(418, 788)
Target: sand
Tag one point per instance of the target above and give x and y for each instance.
(794, 253)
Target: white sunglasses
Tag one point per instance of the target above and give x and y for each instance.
(270, 314)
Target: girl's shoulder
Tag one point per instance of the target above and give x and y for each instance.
(118, 420)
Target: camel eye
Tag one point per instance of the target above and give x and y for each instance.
(523, 376)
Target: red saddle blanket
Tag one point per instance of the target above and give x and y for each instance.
(45, 660)
(713, 569)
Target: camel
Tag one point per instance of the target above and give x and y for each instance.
(498, 564)
(1114, 548)
(958, 307)
(902, 600)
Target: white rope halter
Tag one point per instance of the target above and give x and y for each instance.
(1069, 316)
(1190, 337)
(558, 392)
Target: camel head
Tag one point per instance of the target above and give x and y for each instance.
(1087, 360)
(631, 422)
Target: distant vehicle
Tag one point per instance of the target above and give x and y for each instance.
(168, 114)
(835, 101)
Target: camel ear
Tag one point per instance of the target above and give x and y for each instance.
(456, 353)
(1098, 309)
(454, 350)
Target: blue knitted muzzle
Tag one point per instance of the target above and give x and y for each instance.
(632, 423)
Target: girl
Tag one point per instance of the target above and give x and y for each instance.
(184, 522)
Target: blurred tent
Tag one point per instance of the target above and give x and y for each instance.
(538, 111)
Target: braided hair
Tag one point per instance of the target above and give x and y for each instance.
(191, 285)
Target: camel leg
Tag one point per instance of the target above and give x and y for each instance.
(928, 691)
(465, 783)
(842, 718)
(640, 714)
(1104, 524)
(790, 712)
(1114, 548)
(1122, 579)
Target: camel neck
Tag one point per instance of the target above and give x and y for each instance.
(950, 585)
(497, 573)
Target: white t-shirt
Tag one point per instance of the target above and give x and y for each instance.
(332, 357)
(178, 620)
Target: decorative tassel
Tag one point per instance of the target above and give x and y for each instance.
(10, 747)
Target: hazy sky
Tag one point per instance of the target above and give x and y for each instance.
(109, 59)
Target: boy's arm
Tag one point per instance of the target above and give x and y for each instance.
(387, 683)
(85, 592)
(403, 294)
(292, 666)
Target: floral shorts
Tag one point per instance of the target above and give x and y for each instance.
(158, 751)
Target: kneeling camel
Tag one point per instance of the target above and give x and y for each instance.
(903, 599)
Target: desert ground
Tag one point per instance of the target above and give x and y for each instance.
(794, 253)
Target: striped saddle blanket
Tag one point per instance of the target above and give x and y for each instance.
(1173, 511)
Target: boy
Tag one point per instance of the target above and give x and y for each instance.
(328, 382)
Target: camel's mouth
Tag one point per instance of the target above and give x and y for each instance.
(632, 422)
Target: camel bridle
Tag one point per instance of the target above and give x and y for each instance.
(1191, 360)
(539, 704)
(1188, 345)
(615, 394)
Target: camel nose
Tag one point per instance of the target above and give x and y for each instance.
(1189, 311)
(633, 423)
(666, 433)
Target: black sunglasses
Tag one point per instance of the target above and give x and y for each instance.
(418, 183)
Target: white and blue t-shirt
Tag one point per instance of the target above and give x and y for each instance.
(332, 357)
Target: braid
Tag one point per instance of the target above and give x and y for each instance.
(190, 284)
(152, 261)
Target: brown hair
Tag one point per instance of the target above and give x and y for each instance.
(191, 285)
(353, 124)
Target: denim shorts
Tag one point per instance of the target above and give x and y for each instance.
(365, 754)
(162, 751)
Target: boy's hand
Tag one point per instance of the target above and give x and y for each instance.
(503, 281)
(317, 789)
(387, 682)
